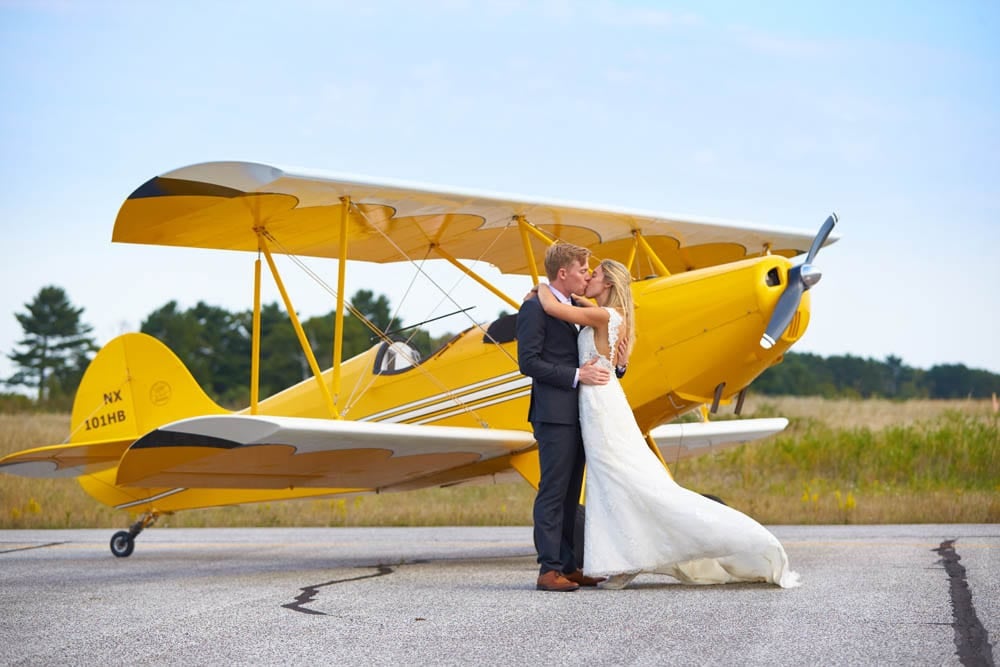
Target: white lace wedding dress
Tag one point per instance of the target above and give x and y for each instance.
(638, 519)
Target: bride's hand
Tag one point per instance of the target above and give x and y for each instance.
(532, 292)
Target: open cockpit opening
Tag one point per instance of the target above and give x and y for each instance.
(395, 357)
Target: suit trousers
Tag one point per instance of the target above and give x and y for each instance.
(561, 458)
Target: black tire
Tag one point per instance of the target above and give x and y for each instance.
(581, 513)
(122, 544)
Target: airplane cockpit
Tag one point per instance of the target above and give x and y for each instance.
(395, 357)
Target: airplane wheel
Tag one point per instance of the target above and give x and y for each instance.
(122, 544)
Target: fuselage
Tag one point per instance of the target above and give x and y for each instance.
(695, 331)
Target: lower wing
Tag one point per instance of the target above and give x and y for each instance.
(257, 452)
(683, 441)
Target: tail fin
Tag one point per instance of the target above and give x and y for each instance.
(134, 385)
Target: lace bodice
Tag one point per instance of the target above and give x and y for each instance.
(587, 346)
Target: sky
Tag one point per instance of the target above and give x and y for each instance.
(887, 113)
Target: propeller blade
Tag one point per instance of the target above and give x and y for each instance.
(784, 311)
(800, 278)
(820, 239)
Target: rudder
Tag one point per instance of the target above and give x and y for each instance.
(134, 385)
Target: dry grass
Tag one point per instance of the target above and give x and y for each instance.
(27, 502)
(861, 461)
(873, 413)
(840, 461)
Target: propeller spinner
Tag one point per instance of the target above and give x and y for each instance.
(800, 278)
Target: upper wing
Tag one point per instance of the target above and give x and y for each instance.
(223, 205)
(255, 452)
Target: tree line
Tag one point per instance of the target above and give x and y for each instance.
(212, 342)
(847, 376)
(215, 345)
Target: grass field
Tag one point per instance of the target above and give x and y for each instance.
(839, 461)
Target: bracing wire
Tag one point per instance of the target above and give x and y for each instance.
(447, 294)
(374, 329)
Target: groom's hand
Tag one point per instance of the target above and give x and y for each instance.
(591, 373)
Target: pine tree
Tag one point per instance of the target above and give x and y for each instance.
(56, 347)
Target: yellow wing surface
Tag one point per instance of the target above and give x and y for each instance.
(223, 205)
(250, 452)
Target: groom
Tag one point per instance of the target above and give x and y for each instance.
(546, 352)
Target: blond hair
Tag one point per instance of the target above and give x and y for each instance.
(561, 255)
(618, 279)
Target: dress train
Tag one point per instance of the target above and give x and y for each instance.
(638, 519)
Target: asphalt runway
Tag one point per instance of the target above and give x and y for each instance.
(871, 595)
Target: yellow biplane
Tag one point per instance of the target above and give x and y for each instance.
(717, 303)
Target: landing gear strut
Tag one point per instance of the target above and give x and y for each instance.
(123, 542)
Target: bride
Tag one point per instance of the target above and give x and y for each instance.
(638, 518)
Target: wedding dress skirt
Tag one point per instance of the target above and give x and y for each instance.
(638, 519)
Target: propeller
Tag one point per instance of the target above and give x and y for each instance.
(800, 279)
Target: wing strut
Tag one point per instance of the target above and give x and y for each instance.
(547, 240)
(255, 337)
(653, 257)
(338, 328)
(303, 341)
(632, 251)
(529, 254)
(469, 272)
(653, 447)
(638, 242)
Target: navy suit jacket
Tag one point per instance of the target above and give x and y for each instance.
(547, 353)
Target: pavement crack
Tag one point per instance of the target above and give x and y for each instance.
(310, 593)
(971, 639)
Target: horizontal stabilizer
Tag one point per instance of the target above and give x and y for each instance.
(258, 452)
(683, 441)
(134, 384)
(67, 460)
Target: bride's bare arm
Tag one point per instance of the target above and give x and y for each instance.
(593, 317)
